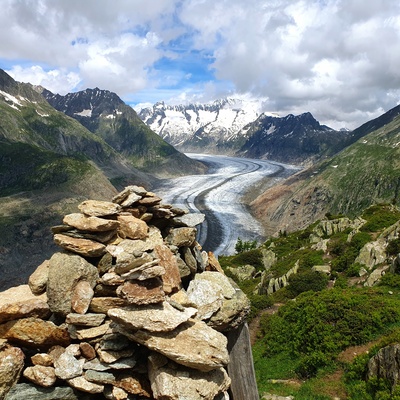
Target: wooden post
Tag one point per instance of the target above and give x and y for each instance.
(241, 366)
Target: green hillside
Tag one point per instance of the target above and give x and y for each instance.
(364, 173)
(337, 305)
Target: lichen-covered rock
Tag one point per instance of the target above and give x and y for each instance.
(34, 333)
(11, 364)
(173, 382)
(193, 344)
(65, 272)
(154, 318)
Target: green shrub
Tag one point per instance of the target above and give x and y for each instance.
(317, 326)
(242, 246)
(393, 247)
(379, 217)
(389, 279)
(305, 281)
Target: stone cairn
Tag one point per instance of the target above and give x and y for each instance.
(130, 308)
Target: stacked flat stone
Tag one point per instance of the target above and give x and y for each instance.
(131, 308)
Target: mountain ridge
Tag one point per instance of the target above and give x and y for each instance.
(239, 128)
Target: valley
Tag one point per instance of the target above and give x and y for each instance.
(219, 195)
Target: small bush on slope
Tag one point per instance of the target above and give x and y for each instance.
(317, 326)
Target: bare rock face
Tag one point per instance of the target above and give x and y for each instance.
(65, 272)
(11, 364)
(386, 364)
(117, 292)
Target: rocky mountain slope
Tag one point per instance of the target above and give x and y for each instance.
(49, 162)
(366, 172)
(291, 139)
(107, 116)
(237, 127)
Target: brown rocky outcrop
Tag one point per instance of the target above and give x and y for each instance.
(131, 307)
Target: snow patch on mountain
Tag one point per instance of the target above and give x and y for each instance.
(220, 120)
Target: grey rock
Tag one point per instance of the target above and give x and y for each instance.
(173, 382)
(24, 391)
(65, 272)
(192, 344)
(97, 208)
(154, 318)
(67, 366)
(11, 364)
(181, 236)
(91, 319)
(385, 364)
(189, 220)
(40, 375)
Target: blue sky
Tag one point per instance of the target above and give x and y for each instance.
(338, 59)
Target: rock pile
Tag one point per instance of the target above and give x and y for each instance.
(131, 308)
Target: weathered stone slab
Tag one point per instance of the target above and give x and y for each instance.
(19, 302)
(232, 313)
(11, 364)
(91, 319)
(131, 227)
(93, 224)
(34, 333)
(149, 291)
(189, 220)
(82, 296)
(40, 375)
(87, 350)
(43, 359)
(111, 356)
(193, 344)
(24, 391)
(154, 318)
(181, 236)
(122, 197)
(146, 271)
(149, 201)
(103, 304)
(129, 249)
(172, 277)
(134, 262)
(38, 280)
(84, 247)
(206, 296)
(220, 279)
(65, 272)
(97, 208)
(213, 263)
(67, 366)
(174, 382)
(90, 333)
(84, 385)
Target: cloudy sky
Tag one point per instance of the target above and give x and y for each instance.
(338, 59)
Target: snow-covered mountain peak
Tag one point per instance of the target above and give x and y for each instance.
(218, 119)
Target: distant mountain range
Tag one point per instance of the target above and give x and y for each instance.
(56, 151)
(365, 172)
(238, 127)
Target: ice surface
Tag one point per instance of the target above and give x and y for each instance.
(218, 194)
